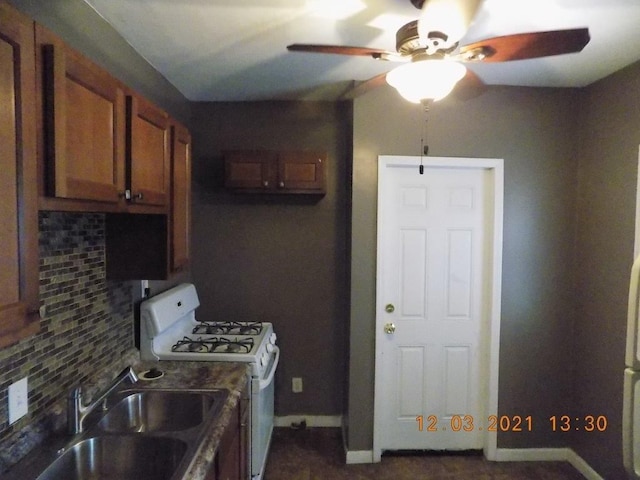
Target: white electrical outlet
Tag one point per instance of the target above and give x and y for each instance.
(296, 385)
(18, 400)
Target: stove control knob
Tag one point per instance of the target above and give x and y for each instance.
(272, 338)
(270, 347)
(264, 359)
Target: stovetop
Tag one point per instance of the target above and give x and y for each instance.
(192, 340)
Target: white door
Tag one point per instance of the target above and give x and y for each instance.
(435, 327)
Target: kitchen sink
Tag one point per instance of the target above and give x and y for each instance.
(159, 411)
(122, 457)
(139, 434)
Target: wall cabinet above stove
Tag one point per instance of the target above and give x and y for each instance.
(155, 247)
(275, 172)
(104, 148)
(101, 146)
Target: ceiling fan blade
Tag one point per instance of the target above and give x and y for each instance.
(365, 86)
(522, 46)
(343, 50)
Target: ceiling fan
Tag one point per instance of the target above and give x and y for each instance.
(433, 59)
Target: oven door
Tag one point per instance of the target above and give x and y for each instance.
(262, 395)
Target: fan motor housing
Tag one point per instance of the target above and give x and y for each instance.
(408, 41)
(407, 38)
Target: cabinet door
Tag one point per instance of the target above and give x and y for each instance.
(252, 170)
(18, 209)
(180, 197)
(148, 161)
(245, 433)
(228, 456)
(84, 124)
(301, 171)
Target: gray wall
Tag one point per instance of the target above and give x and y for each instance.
(608, 164)
(277, 259)
(533, 131)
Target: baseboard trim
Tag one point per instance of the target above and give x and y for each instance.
(532, 454)
(359, 456)
(548, 455)
(509, 455)
(583, 467)
(312, 421)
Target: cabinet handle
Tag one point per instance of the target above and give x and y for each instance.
(266, 183)
(138, 196)
(126, 195)
(281, 185)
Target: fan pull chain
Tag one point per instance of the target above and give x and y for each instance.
(424, 149)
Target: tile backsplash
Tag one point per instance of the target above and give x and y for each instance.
(87, 324)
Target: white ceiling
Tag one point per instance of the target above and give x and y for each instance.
(235, 50)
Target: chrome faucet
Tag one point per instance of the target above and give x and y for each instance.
(77, 412)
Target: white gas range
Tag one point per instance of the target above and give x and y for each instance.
(169, 330)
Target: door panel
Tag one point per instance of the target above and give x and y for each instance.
(457, 381)
(413, 271)
(459, 273)
(410, 388)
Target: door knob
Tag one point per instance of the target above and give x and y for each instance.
(389, 308)
(389, 328)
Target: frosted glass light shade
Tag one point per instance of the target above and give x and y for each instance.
(426, 79)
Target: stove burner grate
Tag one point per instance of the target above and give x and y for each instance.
(213, 345)
(233, 346)
(228, 328)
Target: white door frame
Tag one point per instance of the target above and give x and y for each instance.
(490, 390)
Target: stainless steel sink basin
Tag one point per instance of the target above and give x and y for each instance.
(159, 411)
(138, 434)
(122, 457)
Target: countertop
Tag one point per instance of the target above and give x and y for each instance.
(177, 375)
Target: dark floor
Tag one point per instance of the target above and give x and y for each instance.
(317, 454)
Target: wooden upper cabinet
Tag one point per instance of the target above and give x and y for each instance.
(83, 117)
(301, 171)
(19, 300)
(148, 160)
(180, 197)
(250, 169)
(262, 171)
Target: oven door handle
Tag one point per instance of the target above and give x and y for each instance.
(264, 383)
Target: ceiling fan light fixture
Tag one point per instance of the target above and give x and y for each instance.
(426, 79)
